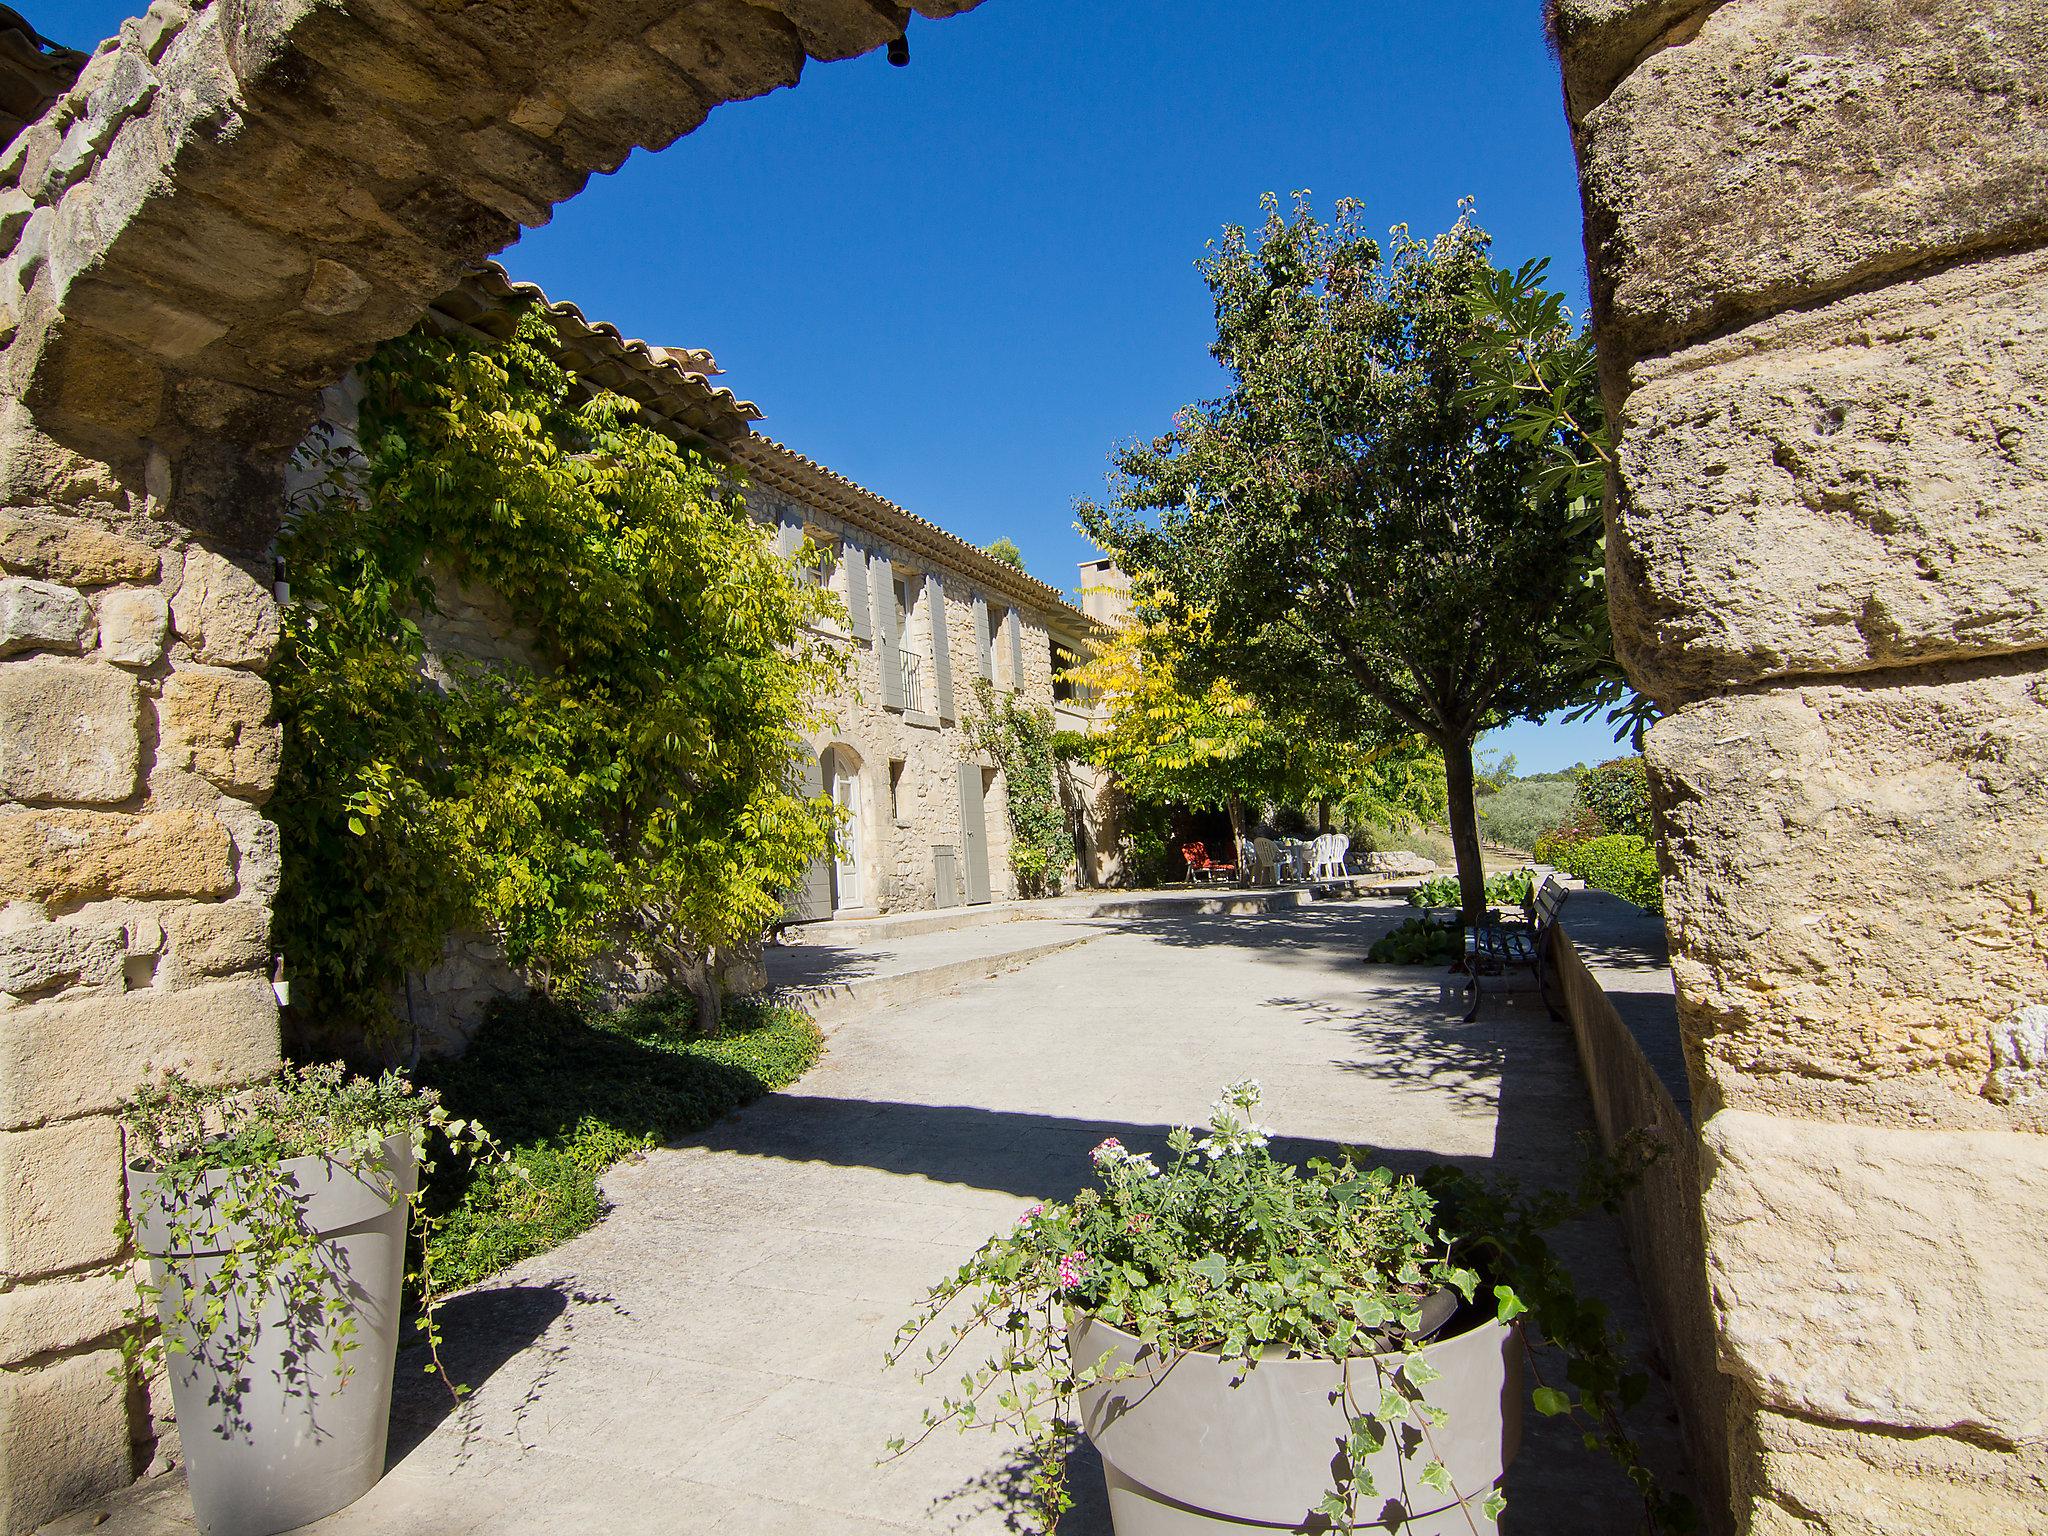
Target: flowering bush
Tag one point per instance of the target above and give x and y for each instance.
(1229, 1250)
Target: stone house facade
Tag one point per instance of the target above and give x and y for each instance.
(924, 615)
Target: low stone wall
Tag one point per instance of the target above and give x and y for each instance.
(1661, 1216)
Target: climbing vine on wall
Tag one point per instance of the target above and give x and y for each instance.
(631, 787)
(1020, 739)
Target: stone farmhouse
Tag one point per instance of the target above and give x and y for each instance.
(926, 615)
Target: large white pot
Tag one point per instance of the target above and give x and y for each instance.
(304, 1433)
(1194, 1447)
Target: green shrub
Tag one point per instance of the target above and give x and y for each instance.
(1509, 888)
(1618, 795)
(1522, 810)
(1419, 942)
(1623, 865)
(569, 1093)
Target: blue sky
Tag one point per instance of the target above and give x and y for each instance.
(962, 282)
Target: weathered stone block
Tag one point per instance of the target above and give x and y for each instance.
(841, 29)
(1879, 1276)
(219, 938)
(39, 616)
(258, 853)
(63, 1437)
(69, 731)
(69, 1058)
(1600, 41)
(70, 549)
(1804, 1477)
(224, 613)
(1793, 148)
(68, 856)
(1857, 888)
(41, 956)
(731, 49)
(64, 1195)
(215, 722)
(1854, 486)
(133, 624)
(46, 1316)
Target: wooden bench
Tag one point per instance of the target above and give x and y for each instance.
(1495, 948)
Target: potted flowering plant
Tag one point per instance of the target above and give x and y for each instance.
(1251, 1345)
(275, 1219)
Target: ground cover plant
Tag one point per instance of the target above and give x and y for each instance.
(1508, 888)
(568, 1092)
(1419, 941)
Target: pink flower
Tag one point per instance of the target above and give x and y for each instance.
(1030, 1214)
(1072, 1268)
(1109, 1147)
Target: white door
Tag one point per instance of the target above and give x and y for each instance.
(846, 890)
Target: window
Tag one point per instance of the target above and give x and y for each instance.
(825, 563)
(1064, 690)
(896, 790)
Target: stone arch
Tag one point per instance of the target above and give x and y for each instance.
(1816, 235)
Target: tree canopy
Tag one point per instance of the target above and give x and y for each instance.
(1180, 733)
(1005, 549)
(1368, 531)
(626, 786)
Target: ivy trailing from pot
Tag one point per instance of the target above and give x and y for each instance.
(276, 1219)
(1382, 1317)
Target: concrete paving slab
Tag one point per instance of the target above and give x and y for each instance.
(708, 1359)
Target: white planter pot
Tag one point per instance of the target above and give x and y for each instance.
(1194, 1447)
(303, 1434)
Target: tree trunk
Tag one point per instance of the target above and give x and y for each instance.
(703, 979)
(1322, 815)
(1465, 829)
(1236, 803)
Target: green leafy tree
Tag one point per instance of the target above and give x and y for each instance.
(628, 787)
(1005, 549)
(1372, 544)
(1533, 361)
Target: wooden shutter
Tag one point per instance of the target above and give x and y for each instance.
(888, 639)
(942, 659)
(858, 618)
(812, 899)
(1015, 624)
(985, 653)
(789, 530)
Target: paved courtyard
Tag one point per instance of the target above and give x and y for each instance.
(709, 1358)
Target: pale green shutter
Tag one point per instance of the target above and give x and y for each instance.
(942, 659)
(888, 639)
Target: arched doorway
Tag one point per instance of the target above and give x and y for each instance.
(846, 784)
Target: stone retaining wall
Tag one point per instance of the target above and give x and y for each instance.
(1661, 1215)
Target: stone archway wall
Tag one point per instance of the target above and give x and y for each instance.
(1817, 230)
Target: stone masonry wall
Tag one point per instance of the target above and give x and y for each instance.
(1816, 229)
(135, 754)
